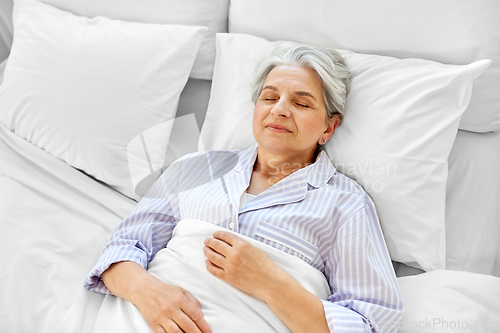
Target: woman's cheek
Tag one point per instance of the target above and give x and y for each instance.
(310, 126)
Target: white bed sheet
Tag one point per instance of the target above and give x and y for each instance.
(54, 221)
(472, 204)
(450, 301)
(2, 69)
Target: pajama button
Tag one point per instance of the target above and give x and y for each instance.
(231, 225)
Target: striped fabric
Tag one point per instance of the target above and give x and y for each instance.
(316, 214)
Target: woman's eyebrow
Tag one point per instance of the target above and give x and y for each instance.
(300, 93)
(273, 88)
(305, 93)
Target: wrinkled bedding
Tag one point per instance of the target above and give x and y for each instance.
(54, 221)
(182, 263)
(450, 301)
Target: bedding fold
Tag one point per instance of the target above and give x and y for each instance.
(36, 168)
(225, 308)
(450, 301)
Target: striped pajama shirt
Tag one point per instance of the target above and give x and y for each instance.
(315, 213)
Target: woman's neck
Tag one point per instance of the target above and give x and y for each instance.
(275, 166)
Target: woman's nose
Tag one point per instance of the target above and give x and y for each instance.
(281, 108)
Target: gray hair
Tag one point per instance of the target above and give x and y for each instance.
(328, 64)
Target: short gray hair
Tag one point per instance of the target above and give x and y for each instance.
(328, 64)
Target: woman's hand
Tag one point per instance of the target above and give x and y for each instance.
(165, 308)
(170, 309)
(249, 269)
(240, 264)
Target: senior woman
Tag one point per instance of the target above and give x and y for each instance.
(283, 191)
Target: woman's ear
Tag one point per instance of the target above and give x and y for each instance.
(331, 125)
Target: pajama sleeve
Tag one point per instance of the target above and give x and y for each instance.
(365, 293)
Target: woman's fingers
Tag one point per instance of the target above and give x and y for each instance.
(169, 327)
(215, 270)
(188, 319)
(192, 299)
(185, 323)
(237, 262)
(192, 309)
(214, 257)
(170, 307)
(225, 249)
(218, 245)
(227, 237)
(172, 326)
(158, 329)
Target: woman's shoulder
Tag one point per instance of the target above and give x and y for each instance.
(349, 188)
(349, 199)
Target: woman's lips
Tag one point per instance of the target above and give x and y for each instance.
(278, 128)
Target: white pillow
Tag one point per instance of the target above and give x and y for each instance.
(400, 123)
(82, 88)
(209, 13)
(447, 31)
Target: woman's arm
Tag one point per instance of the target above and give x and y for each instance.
(366, 294)
(137, 239)
(297, 308)
(165, 308)
(247, 268)
(121, 267)
(365, 297)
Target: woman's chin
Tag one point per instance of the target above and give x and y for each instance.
(278, 145)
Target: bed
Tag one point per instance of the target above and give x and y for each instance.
(97, 98)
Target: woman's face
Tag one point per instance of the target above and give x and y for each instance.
(290, 114)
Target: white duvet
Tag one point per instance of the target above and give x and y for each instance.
(447, 301)
(226, 309)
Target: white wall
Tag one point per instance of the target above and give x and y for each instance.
(5, 28)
